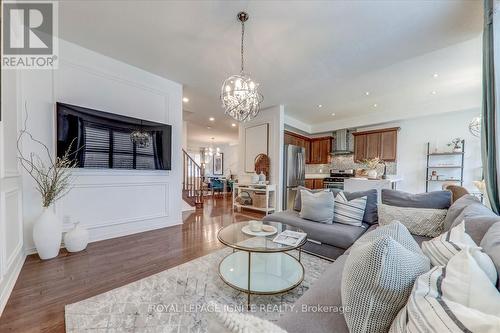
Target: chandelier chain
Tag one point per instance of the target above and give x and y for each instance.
(242, 40)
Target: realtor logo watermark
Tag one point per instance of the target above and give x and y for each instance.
(28, 35)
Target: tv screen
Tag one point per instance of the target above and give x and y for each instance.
(102, 140)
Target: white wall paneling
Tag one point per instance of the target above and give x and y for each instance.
(256, 142)
(11, 225)
(274, 118)
(109, 203)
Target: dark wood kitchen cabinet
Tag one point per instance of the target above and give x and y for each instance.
(299, 140)
(381, 143)
(320, 150)
(309, 183)
(314, 183)
(317, 150)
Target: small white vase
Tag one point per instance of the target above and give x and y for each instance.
(76, 239)
(372, 173)
(262, 178)
(255, 178)
(47, 234)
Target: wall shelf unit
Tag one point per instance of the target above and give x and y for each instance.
(268, 193)
(456, 166)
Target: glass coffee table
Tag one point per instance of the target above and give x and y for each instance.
(258, 265)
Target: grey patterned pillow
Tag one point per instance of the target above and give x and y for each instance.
(377, 280)
(419, 221)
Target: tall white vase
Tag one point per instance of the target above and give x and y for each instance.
(47, 233)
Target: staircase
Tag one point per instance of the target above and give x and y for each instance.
(192, 181)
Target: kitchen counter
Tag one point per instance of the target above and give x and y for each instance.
(317, 175)
(364, 184)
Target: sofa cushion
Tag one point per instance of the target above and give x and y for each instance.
(297, 203)
(370, 216)
(317, 207)
(491, 245)
(418, 239)
(326, 291)
(455, 298)
(476, 226)
(349, 212)
(444, 247)
(419, 221)
(457, 208)
(339, 235)
(436, 199)
(377, 279)
(371, 213)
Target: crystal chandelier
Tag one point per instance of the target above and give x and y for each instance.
(475, 127)
(239, 93)
(140, 138)
(210, 151)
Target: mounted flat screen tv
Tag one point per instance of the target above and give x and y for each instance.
(101, 140)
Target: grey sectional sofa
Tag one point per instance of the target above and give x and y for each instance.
(326, 291)
(330, 240)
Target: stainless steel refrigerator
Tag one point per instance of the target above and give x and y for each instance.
(294, 173)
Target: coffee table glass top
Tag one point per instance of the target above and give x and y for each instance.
(234, 237)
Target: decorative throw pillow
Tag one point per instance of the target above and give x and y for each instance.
(442, 248)
(455, 298)
(317, 206)
(349, 212)
(297, 203)
(396, 231)
(376, 281)
(419, 221)
(234, 322)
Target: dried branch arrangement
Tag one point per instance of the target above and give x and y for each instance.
(53, 177)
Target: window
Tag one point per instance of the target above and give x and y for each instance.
(112, 148)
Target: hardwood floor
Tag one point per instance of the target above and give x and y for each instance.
(44, 287)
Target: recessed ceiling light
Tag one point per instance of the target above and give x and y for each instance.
(435, 75)
(320, 106)
(333, 114)
(434, 92)
(375, 105)
(211, 118)
(233, 124)
(367, 93)
(208, 127)
(185, 99)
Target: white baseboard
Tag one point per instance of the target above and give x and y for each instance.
(10, 279)
(113, 231)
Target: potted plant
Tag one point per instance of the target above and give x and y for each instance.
(456, 145)
(371, 165)
(53, 180)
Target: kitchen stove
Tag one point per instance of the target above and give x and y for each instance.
(337, 177)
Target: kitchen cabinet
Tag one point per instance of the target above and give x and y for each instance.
(381, 143)
(320, 150)
(318, 183)
(299, 140)
(314, 183)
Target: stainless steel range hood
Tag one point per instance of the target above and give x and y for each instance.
(343, 142)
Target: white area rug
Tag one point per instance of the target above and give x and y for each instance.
(176, 300)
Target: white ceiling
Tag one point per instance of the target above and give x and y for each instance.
(303, 53)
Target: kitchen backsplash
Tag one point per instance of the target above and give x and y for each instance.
(347, 162)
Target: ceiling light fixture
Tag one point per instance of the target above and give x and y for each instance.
(211, 118)
(240, 95)
(140, 137)
(185, 99)
(435, 75)
(375, 105)
(367, 93)
(320, 106)
(333, 114)
(434, 92)
(233, 124)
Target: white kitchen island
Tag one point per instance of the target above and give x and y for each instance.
(364, 184)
